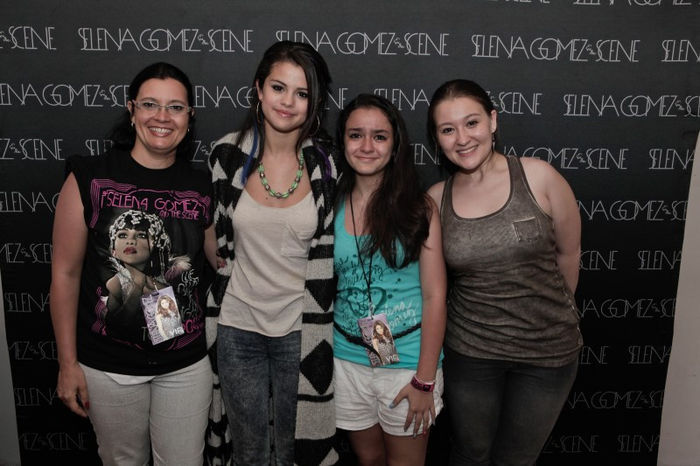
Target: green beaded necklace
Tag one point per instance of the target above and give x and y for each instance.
(295, 183)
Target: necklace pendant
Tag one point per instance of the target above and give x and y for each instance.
(292, 188)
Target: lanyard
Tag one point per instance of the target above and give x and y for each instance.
(368, 275)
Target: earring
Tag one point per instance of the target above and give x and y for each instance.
(132, 124)
(318, 126)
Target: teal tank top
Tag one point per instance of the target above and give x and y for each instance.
(395, 292)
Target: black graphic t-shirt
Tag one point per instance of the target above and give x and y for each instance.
(145, 234)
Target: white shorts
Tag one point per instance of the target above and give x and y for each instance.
(363, 395)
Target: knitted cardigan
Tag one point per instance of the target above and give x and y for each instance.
(315, 420)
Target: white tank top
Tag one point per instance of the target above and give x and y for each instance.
(266, 291)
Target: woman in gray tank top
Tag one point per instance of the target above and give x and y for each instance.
(511, 240)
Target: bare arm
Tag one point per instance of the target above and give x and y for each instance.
(435, 193)
(556, 198)
(69, 242)
(567, 229)
(433, 280)
(210, 246)
(114, 297)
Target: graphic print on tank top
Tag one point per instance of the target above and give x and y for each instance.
(395, 292)
(142, 231)
(402, 310)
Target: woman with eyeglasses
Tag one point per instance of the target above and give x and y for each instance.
(274, 187)
(128, 232)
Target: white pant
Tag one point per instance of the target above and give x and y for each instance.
(168, 413)
(363, 395)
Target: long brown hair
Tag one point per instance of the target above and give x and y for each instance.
(318, 80)
(398, 211)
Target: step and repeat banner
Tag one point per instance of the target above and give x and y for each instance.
(606, 91)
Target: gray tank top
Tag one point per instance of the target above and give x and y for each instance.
(507, 299)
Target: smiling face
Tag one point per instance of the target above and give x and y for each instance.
(132, 247)
(464, 130)
(368, 141)
(158, 132)
(284, 98)
(379, 329)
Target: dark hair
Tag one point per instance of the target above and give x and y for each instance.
(318, 80)
(170, 301)
(124, 135)
(384, 336)
(398, 210)
(452, 90)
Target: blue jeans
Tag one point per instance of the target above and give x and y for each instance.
(258, 374)
(502, 412)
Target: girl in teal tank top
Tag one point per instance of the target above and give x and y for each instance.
(390, 303)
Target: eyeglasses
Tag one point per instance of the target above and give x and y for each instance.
(152, 108)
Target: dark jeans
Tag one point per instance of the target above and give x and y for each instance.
(502, 412)
(249, 365)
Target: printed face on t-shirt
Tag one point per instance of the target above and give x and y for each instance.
(132, 247)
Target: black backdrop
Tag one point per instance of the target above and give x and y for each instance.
(607, 91)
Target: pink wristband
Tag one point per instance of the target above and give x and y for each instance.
(422, 386)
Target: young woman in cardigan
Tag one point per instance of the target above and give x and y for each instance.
(274, 189)
(390, 304)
